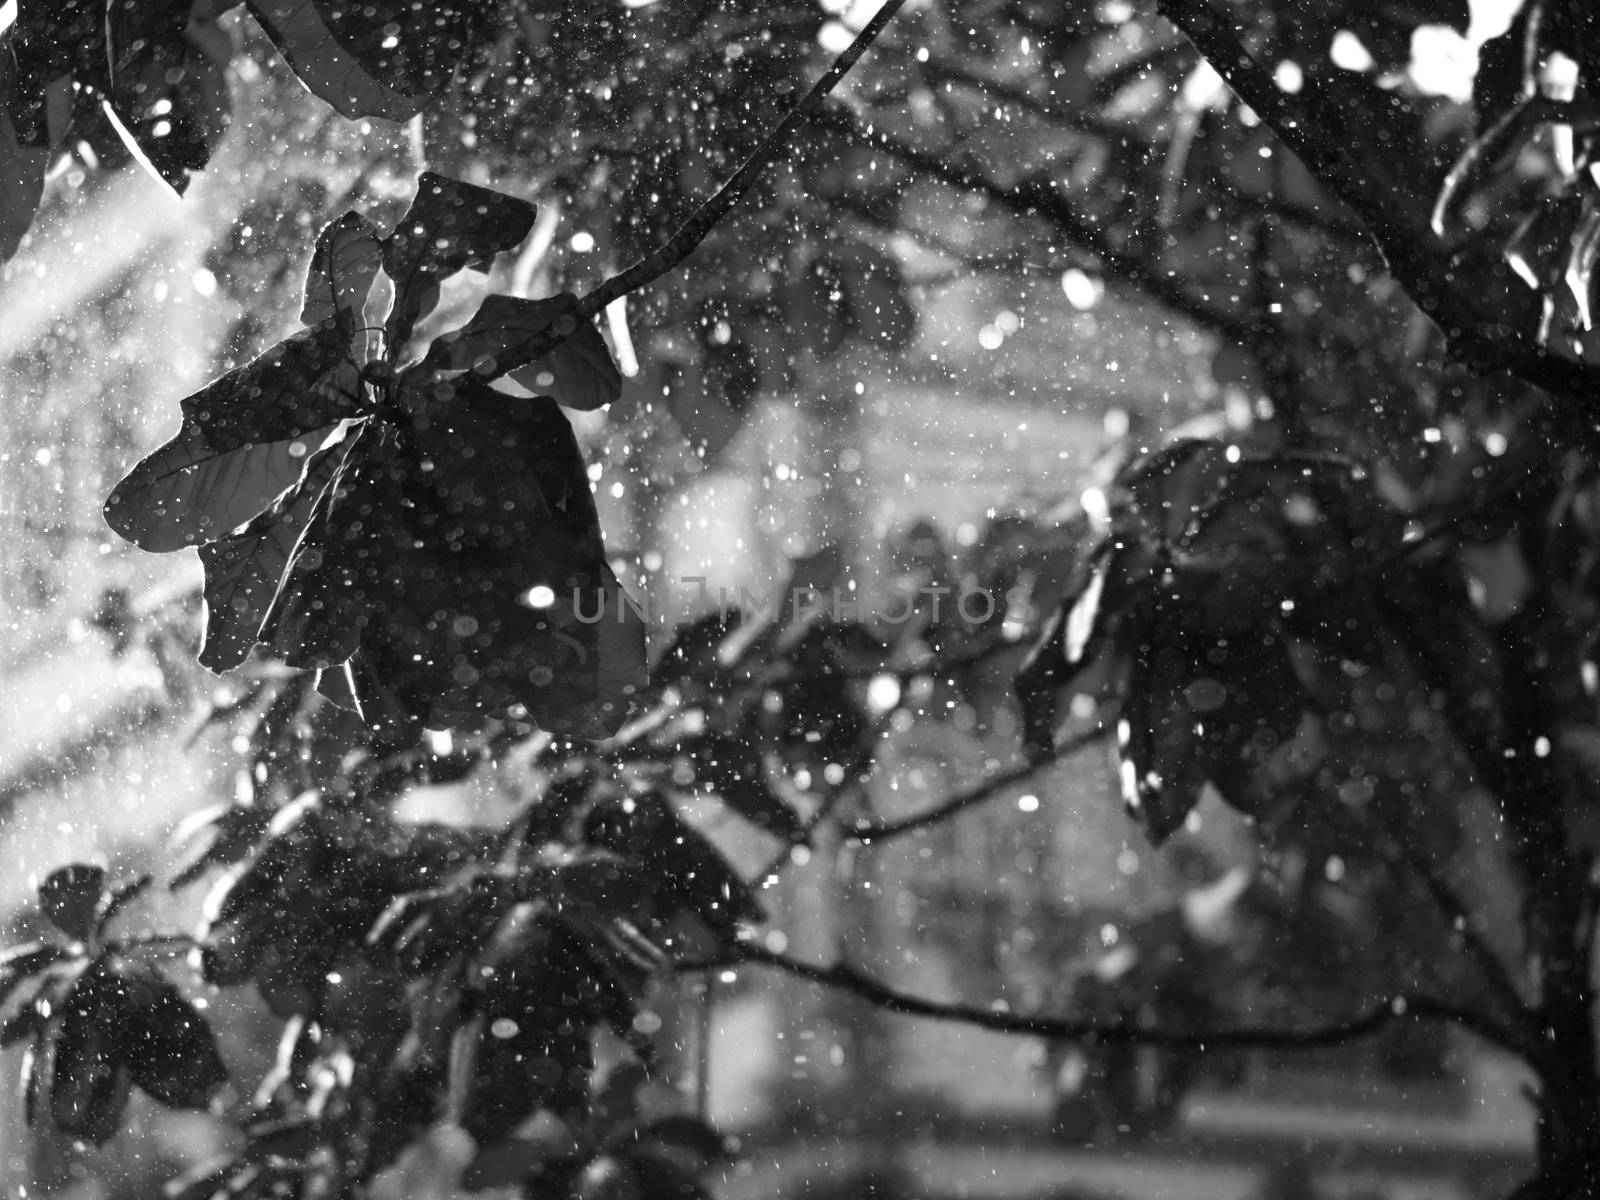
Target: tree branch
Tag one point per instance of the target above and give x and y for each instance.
(1136, 1032)
(1033, 199)
(1489, 320)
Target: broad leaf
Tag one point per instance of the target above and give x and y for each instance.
(243, 570)
(577, 374)
(186, 493)
(90, 1082)
(246, 437)
(326, 66)
(450, 226)
(18, 964)
(463, 558)
(150, 60)
(334, 580)
(306, 382)
(22, 171)
(70, 898)
(171, 1052)
(342, 269)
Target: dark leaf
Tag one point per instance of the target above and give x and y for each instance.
(577, 374)
(327, 67)
(168, 1045)
(685, 1135)
(245, 439)
(878, 309)
(463, 558)
(21, 963)
(738, 776)
(817, 308)
(343, 266)
(516, 1161)
(158, 93)
(732, 373)
(70, 898)
(243, 569)
(90, 1081)
(22, 171)
(686, 873)
(450, 226)
(303, 384)
(187, 494)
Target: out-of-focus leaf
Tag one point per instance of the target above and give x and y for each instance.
(817, 308)
(328, 68)
(342, 269)
(70, 898)
(90, 1080)
(243, 570)
(877, 307)
(169, 1047)
(450, 226)
(1541, 246)
(690, 873)
(119, 897)
(732, 373)
(739, 779)
(1585, 244)
(19, 964)
(577, 374)
(681, 1134)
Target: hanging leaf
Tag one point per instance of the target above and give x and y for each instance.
(89, 1079)
(463, 558)
(697, 880)
(186, 493)
(22, 171)
(579, 373)
(151, 110)
(732, 373)
(70, 898)
(171, 1052)
(329, 70)
(243, 570)
(19, 962)
(374, 59)
(450, 226)
(245, 439)
(306, 382)
(343, 266)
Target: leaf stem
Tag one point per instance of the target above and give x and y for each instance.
(1403, 1006)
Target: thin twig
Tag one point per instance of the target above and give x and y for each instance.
(1123, 1032)
(705, 218)
(985, 790)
